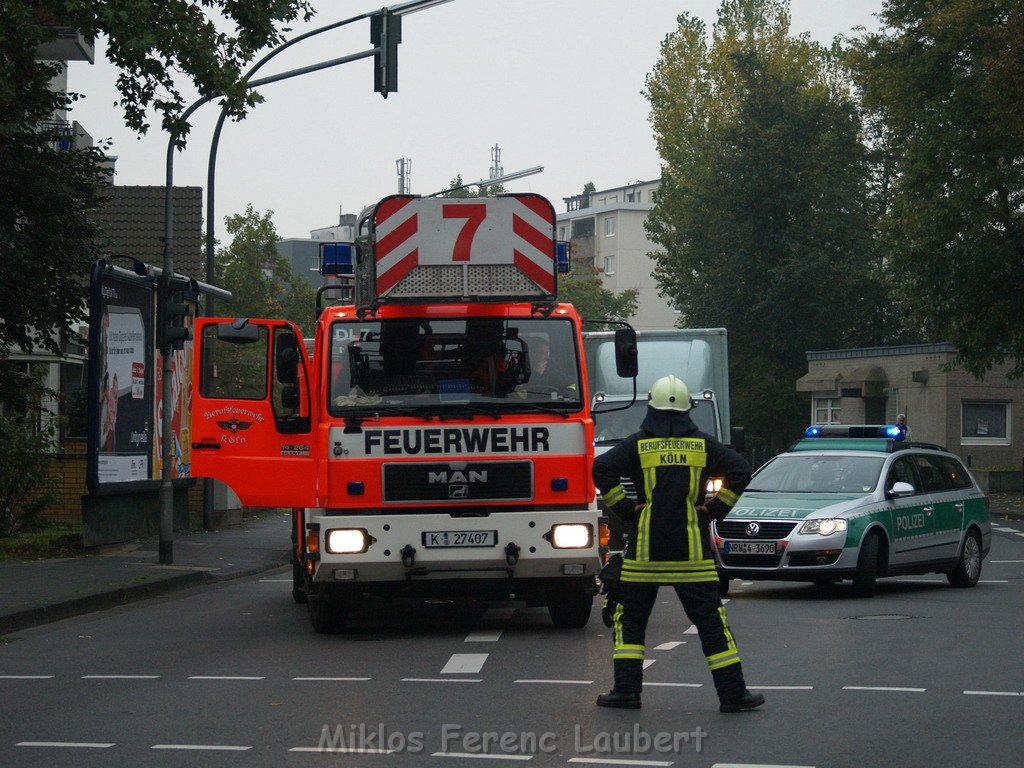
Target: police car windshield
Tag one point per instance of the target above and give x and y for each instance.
(808, 473)
(490, 363)
(613, 426)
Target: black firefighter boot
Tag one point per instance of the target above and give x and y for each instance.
(628, 681)
(732, 690)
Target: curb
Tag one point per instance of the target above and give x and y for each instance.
(79, 606)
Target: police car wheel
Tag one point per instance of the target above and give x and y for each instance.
(867, 567)
(968, 565)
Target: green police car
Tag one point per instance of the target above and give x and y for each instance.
(856, 503)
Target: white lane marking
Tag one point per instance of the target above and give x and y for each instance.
(692, 630)
(1005, 561)
(1018, 533)
(756, 765)
(993, 693)
(222, 677)
(26, 677)
(1004, 529)
(610, 761)
(648, 662)
(669, 645)
(332, 679)
(441, 680)
(675, 685)
(73, 744)
(464, 663)
(993, 581)
(558, 682)
(202, 747)
(484, 636)
(882, 688)
(781, 687)
(482, 755)
(120, 677)
(344, 750)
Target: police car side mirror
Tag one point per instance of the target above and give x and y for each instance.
(900, 489)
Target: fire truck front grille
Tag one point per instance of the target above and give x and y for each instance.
(460, 482)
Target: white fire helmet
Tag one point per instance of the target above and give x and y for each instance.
(670, 394)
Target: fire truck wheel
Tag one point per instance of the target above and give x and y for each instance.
(328, 613)
(569, 605)
(299, 594)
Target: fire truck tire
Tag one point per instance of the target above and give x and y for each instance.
(569, 605)
(328, 613)
(299, 594)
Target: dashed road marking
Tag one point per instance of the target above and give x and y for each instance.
(224, 677)
(882, 688)
(1005, 561)
(674, 685)
(69, 744)
(202, 747)
(612, 761)
(1018, 533)
(669, 645)
(484, 636)
(691, 630)
(1001, 529)
(26, 677)
(441, 680)
(344, 750)
(120, 677)
(781, 687)
(756, 765)
(648, 662)
(464, 663)
(482, 755)
(994, 693)
(993, 581)
(331, 679)
(557, 682)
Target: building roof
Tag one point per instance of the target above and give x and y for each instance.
(133, 225)
(895, 351)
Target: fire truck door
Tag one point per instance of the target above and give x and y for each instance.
(252, 411)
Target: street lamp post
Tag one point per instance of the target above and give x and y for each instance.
(166, 495)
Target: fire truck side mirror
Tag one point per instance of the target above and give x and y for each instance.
(625, 353)
(287, 359)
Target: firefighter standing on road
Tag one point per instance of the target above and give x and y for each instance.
(669, 461)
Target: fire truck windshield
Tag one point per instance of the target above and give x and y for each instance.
(505, 364)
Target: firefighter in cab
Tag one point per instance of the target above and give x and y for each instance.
(669, 461)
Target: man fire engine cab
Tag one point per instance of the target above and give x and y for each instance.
(417, 450)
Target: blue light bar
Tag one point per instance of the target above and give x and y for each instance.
(562, 256)
(337, 259)
(892, 431)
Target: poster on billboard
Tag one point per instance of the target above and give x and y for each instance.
(181, 416)
(125, 387)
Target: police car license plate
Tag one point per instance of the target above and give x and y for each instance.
(441, 539)
(749, 547)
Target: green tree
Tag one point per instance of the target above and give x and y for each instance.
(258, 276)
(458, 188)
(944, 79)
(583, 288)
(47, 237)
(762, 210)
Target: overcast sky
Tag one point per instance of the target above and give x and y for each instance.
(555, 83)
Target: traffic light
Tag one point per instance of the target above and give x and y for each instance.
(172, 311)
(385, 35)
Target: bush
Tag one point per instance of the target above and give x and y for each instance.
(26, 488)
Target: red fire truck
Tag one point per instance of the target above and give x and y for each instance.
(438, 439)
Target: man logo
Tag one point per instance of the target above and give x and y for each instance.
(753, 529)
(458, 481)
(458, 491)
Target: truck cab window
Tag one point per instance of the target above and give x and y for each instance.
(232, 370)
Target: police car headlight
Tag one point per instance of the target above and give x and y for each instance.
(347, 541)
(825, 526)
(571, 536)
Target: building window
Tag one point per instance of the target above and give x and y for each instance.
(825, 410)
(609, 265)
(984, 423)
(609, 227)
(583, 227)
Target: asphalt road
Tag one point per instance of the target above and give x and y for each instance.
(920, 675)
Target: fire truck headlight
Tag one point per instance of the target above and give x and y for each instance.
(347, 541)
(571, 536)
(714, 486)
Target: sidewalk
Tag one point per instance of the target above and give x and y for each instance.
(1007, 505)
(34, 592)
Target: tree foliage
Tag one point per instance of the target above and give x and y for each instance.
(258, 276)
(583, 288)
(762, 210)
(458, 188)
(945, 79)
